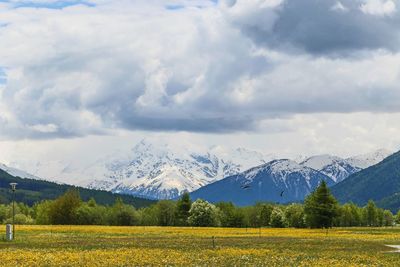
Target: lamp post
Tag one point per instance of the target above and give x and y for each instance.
(13, 188)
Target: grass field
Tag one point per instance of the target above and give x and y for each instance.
(158, 246)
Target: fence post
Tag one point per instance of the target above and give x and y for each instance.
(9, 232)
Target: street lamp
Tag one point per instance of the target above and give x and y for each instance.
(13, 188)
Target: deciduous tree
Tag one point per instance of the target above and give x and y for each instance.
(203, 214)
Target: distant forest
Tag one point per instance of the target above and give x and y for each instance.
(31, 191)
(320, 210)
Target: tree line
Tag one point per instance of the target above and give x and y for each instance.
(320, 210)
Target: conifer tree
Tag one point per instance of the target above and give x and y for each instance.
(321, 207)
(183, 206)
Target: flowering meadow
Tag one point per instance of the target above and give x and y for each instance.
(173, 246)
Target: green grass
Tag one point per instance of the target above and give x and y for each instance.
(158, 246)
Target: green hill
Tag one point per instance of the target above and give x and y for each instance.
(30, 191)
(380, 183)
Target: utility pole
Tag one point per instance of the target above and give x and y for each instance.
(13, 188)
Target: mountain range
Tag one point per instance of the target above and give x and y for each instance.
(277, 181)
(152, 169)
(334, 167)
(380, 182)
(163, 170)
(285, 181)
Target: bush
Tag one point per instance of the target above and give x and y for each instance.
(388, 219)
(122, 214)
(42, 212)
(20, 219)
(294, 216)
(203, 214)
(277, 218)
(90, 215)
(230, 216)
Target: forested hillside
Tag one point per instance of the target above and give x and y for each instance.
(30, 191)
(380, 183)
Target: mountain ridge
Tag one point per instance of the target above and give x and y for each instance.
(157, 169)
(31, 191)
(279, 181)
(336, 168)
(380, 182)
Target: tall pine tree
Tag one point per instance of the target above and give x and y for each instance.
(182, 209)
(321, 208)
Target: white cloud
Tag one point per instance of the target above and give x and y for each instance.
(48, 128)
(247, 67)
(379, 7)
(339, 7)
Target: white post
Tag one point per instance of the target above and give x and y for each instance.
(9, 233)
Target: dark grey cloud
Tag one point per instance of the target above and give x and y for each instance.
(207, 125)
(325, 28)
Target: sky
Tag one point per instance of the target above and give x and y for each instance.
(82, 78)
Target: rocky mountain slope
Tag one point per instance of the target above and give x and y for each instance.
(336, 168)
(380, 182)
(277, 181)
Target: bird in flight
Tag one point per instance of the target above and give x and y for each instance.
(282, 193)
(245, 186)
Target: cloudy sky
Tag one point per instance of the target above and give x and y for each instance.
(81, 78)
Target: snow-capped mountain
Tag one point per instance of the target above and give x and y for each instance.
(155, 169)
(339, 168)
(366, 160)
(161, 169)
(336, 168)
(17, 173)
(163, 172)
(278, 181)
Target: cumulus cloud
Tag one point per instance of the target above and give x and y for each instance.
(203, 67)
(379, 7)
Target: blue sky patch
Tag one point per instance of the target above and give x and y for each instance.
(174, 7)
(3, 77)
(182, 6)
(53, 5)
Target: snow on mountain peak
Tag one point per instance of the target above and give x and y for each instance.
(279, 167)
(320, 161)
(334, 167)
(366, 160)
(159, 168)
(165, 170)
(285, 165)
(282, 175)
(17, 173)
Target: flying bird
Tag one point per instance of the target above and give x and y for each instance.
(245, 186)
(282, 193)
